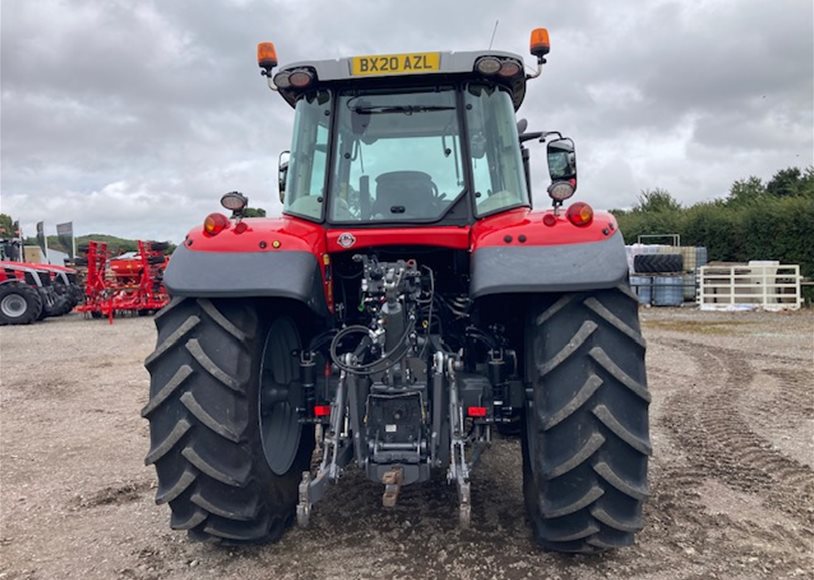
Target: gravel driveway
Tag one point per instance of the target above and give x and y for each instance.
(732, 472)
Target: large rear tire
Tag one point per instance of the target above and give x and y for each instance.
(19, 303)
(205, 434)
(586, 441)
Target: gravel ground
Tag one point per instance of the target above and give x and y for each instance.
(732, 474)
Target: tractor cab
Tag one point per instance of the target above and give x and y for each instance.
(419, 138)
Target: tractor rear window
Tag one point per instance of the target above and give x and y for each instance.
(398, 157)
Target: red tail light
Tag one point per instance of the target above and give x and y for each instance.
(322, 410)
(580, 214)
(476, 411)
(215, 223)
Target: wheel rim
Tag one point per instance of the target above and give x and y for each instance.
(280, 429)
(13, 305)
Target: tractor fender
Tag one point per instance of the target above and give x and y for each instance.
(265, 260)
(522, 255)
(290, 274)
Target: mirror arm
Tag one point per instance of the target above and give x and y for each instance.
(546, 134)
(530, 136)
(541, 135)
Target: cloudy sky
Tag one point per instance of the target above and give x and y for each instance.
(133, 117)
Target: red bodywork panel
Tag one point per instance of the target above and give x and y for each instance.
(129, 267)
(519, 227)
(48, 267)
(452, 237)
(260, 235)
(13, 270)
(20, 268)
(294, 234)
(526, 228)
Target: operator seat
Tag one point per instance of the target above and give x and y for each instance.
(405, 192)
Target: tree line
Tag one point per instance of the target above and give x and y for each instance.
(755, 221)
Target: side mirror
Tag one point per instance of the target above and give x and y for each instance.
(562, 159)
(282, 172)
(562, 168)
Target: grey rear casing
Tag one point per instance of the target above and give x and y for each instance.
(294, 275)
(561, 268)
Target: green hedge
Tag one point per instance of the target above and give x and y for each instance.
(773, 228)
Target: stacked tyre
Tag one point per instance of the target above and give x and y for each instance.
(658, 279)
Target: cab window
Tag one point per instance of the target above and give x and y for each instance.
(498, 179)
(305, 183)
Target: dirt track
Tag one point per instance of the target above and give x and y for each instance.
(732, 474)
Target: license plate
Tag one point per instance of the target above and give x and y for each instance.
(396, 64)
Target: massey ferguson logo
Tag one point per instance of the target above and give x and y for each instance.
(346, 239)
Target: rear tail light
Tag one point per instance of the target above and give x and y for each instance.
(476, 411)
(215, 223)
(322, 410)
(580, 214)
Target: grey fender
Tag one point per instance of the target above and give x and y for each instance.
(560, 268)
(294, 275)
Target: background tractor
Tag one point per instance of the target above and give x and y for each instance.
(31, 292)
(407, 304)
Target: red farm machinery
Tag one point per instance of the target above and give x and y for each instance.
(129, 283)
(408, 304)
(32, 291)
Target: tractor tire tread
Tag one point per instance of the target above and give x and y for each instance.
(205, 446)
(169, 342)
(187, 478)
(235, 478)
(230, 432)
(586, 442)
(196, 350)
(181, 375)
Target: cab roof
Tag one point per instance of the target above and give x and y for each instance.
(450, 66)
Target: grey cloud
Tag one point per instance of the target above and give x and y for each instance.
(132, 118)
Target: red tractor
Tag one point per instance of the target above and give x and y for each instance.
(30, 292)
(407, 304)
